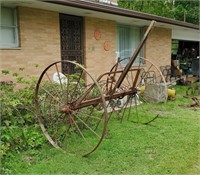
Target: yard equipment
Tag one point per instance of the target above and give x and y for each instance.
(73, 108)
(193, 90)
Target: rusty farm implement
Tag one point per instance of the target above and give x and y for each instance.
(73, 108)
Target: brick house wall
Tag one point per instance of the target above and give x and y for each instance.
(40, 44)
(39, 36)
(97, 58)
(158, 46)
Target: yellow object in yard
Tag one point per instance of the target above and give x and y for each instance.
(171, 93)
(142, 89)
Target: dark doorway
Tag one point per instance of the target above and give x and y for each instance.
(185, 56)
(71, 34)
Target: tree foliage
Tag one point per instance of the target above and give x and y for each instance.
(187, 11)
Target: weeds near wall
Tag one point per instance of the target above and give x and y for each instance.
(19, 128)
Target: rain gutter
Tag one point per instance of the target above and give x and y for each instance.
(112, 9)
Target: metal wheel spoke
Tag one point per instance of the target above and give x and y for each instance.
(79, 130)
(60, 107)
(58, 73)
(77, 83)
(85, 124)
(90, 116)
(50, 94)
(55, 89)
(73, 128)
(68, 83)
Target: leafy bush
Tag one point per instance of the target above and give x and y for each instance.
(19, 128)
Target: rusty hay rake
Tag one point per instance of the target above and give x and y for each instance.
(73, 108)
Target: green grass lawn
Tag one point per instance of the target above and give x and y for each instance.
(169, 145)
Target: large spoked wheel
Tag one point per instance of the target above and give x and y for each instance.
(135, 106)
(71, 108)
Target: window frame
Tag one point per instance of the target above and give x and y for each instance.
(15, 27)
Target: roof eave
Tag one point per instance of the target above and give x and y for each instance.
(120, 11)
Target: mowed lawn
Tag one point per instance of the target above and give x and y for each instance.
(169, 145)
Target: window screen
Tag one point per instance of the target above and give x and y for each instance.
(8, 28)
(128, 39)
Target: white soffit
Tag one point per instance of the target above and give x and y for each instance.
(186, 34)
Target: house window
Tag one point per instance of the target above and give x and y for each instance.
(8, 28)
(128, 39)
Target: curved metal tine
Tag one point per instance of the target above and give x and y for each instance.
(113, 110)
(129, 111)
(151, 120)
(143, 109)
(102, 115)
(159, 78)
(110, 113)
(132, 77)
(124, 107)
(136, 104)
(129, 97)
(99, 120)
(130, 107)
(152, 77)
(149, 68)
(141, 82)
(136, 101)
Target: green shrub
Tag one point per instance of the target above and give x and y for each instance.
(19, 128)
